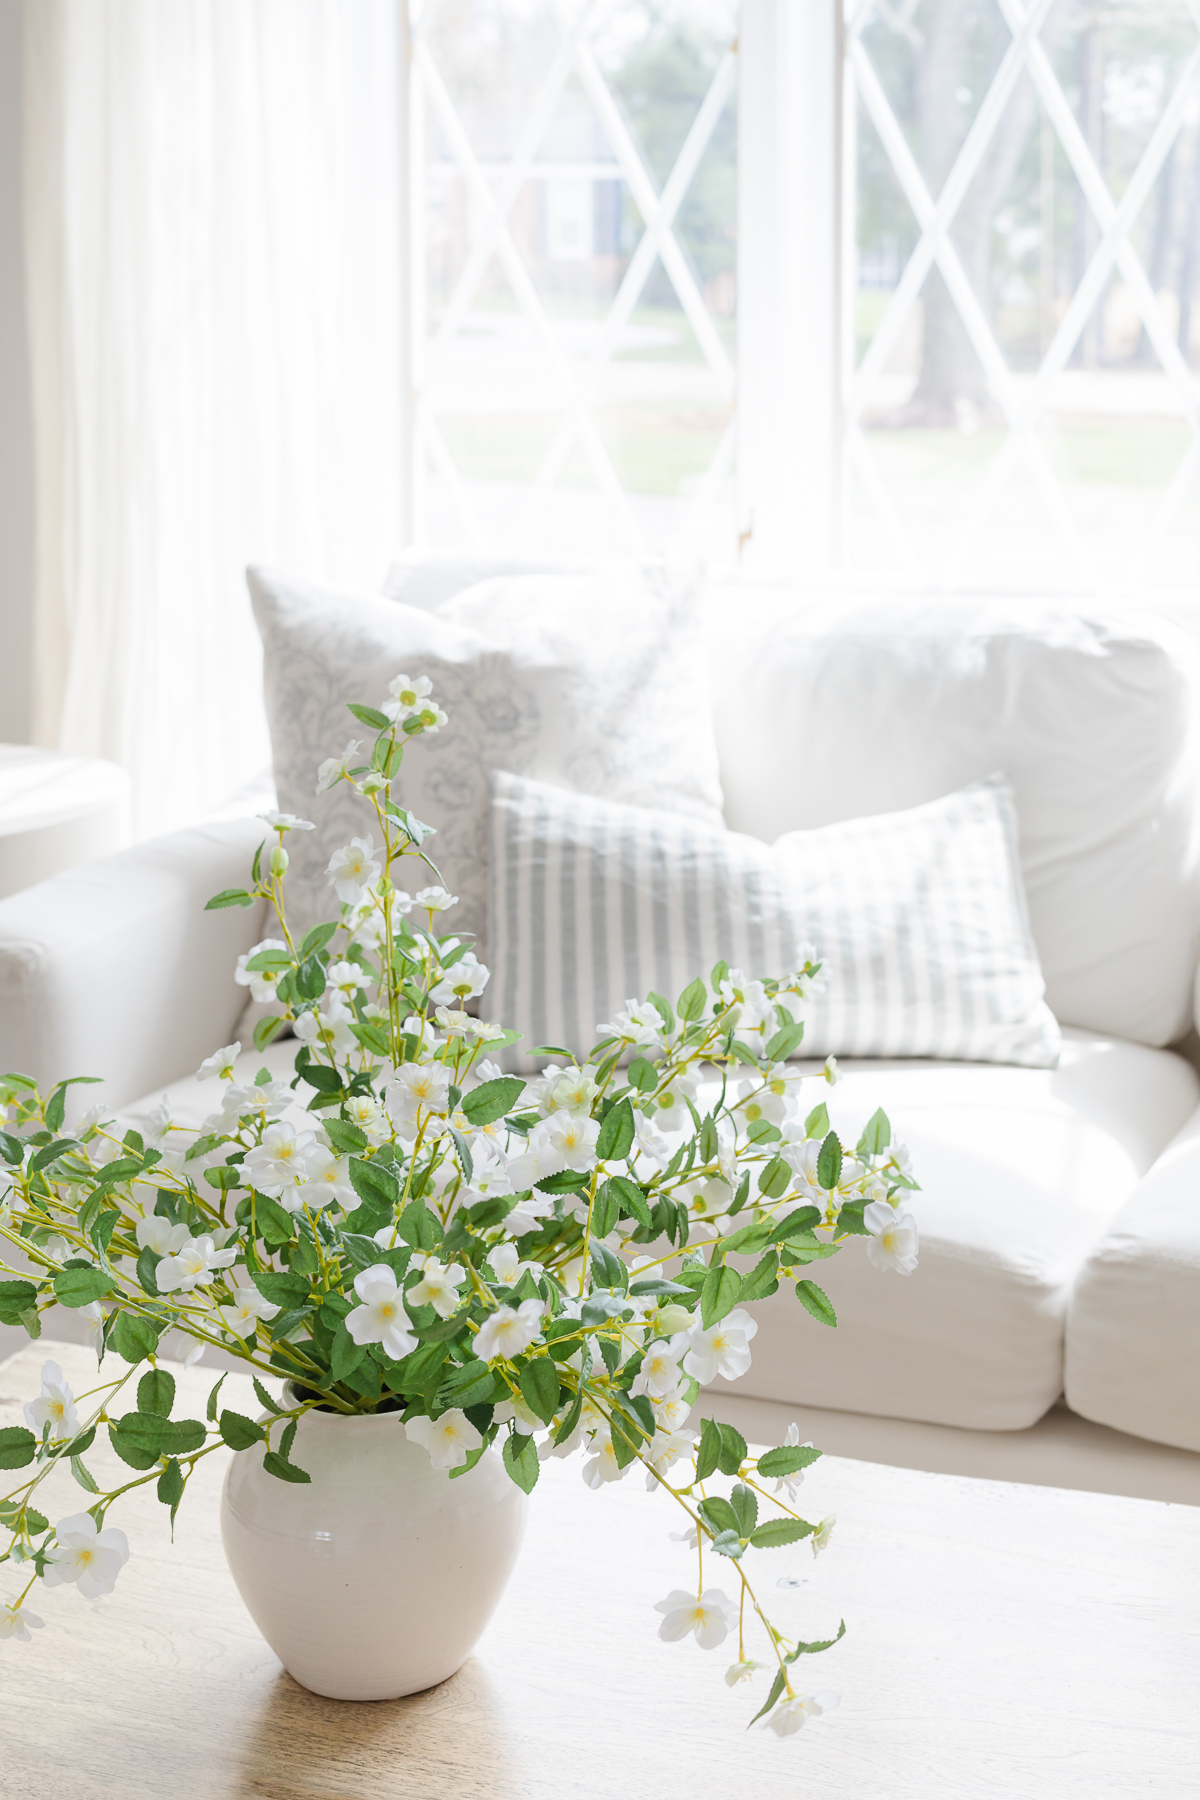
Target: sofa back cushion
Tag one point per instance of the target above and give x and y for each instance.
(829, 710)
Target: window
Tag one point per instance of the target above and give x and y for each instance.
(951, 249)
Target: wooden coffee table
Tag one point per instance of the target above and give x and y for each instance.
(1001, 1641)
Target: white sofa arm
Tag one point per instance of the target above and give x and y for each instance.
(114, 968)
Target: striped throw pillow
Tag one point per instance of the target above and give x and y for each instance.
(919, 918)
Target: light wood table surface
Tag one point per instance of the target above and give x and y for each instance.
(1001, 1641)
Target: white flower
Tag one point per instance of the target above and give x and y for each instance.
(690, 1537)
(381, 1319)
(90, 1558)
(449, 1440)
(602, 1465)
(261, 982)
(509, 1330)
(724, 1349)
(462, 981)
(742, 1671)
(710, 1616)
(334, 767)
(191, 1266)
(326, 1182)
(243, 1312)
(353, 869)
(365, 1111)
(821, 1536)
(454, 1023)
(158, 1234)
(670, 1414)
(526, 1215)
(573, 1092)
(219, 1063)
(407, 695)
(659, 1373)
(417, 1088)
(831, 1071)
(639, 1021)
(15, 1621)
(93, 1318)
(179, 1347)
(330, 1024)
(665, 1450)
(506, 1265)
(789, 1483)
(438, 1287)
(54, 1405)
(434, 899)
(281, 1157)
(792, 1714)
(281, 821)
(893, 1242)
(572, 1138)
(347, 977)
(263, 1100)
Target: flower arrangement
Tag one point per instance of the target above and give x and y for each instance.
(549, 1265)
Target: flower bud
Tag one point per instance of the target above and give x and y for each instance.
(672, 1318)
(279, 860)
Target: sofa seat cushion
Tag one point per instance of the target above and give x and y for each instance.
(1133, 1329)
(1022, 1172)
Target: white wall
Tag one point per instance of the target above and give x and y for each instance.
(16, 431)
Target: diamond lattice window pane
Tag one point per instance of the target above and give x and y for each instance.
(1025, 409)
(576, 314)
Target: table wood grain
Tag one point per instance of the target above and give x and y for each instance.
(1001, 1641)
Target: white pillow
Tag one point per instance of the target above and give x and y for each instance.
(604, 691)
(848, 710)
(428, 578)
(919, 918)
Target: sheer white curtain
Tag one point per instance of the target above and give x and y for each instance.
(214, 250)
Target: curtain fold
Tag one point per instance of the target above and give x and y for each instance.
(213, 215)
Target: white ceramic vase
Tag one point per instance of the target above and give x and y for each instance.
(376, 1578)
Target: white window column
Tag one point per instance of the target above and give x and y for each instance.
(789, 355)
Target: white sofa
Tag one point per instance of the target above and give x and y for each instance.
(1060, 1209)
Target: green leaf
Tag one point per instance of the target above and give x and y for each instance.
(316, 939)
(606, 1209)
(776, 1689)
(139, 1438)
(719, 1295)
(784, 1044)
(345, 1138)
(719, 1515)
(762, 1280)
(79, 1287)
(182, 1436)
(272, 1223)
(156, 1393)
(733, 1450)
(345, 1355)
(829, 1163)
(11, 1149)
(238, 1431)
(16, 1297)
(17, 1447)
(788, 1459)
(692, 1000)
(274, 1464)
(778, 1532)
(50, 1153)
(816, 1301)
(816, 1649)
(82, 1476)
(643, 1075)
(264, 1399)
(521, 1461)
(368, 715)
(374, 1183)
(817, 1123)
(229, 897)
(539, 1386)
(775, 1179)
(877, 1134)
(616, 1134)
(281, 1290)
(709, 1143)
(663, 1009)
(133, 1338)
(492, 1099)
(210, 1411)
(170, 1485)
(746, 1507)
